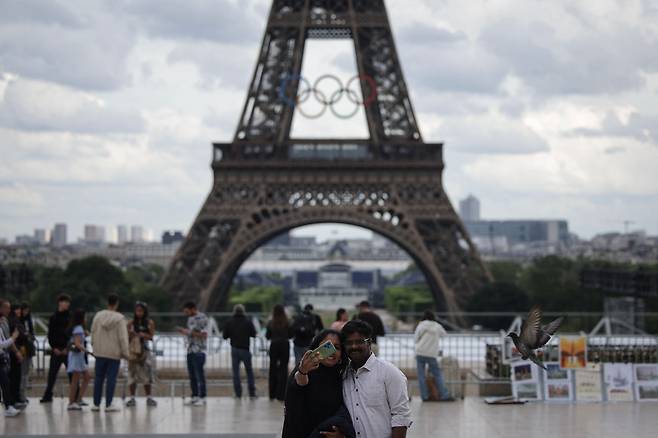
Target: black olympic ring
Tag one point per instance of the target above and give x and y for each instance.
(305, 90)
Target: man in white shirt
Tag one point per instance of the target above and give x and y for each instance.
(375, 391)
(426, 339)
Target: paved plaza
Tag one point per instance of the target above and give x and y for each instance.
(227, 417)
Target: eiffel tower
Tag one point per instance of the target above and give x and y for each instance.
(266, 182)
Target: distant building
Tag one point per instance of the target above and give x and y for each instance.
(41, 236)
(94, 234)
(122, 234)
(25, 239)
(58, 236)
(469, 209)
(521, 231)
(336, 285)
(169, 237)
(137, 234)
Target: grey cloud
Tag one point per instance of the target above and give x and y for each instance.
(487, 136)
(218, 64)
(640, 127)
(228, 21)
(91, 58)
(596, 61)
(423, 33)
(29, 106)
(42, 12)
(615, 150)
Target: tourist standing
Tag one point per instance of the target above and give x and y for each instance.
(77, 365)
(141, 364)
(368, 315)
(305, 326)
(197, 340)
(109, 338)
(239, 329)
(16, 354)
(58, 341)
(28, 353)
(341, 319)
(6, 345)
(279, 333)
(426, 339)
(375, 390)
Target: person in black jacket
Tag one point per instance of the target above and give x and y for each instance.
(366, 314)
(239, 329)
(278, 332)
(28, 353)
(58, 338)
(314, 396)
(18, 356)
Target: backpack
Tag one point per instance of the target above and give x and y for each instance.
(305, 326)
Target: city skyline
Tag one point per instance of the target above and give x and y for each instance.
(549, 116)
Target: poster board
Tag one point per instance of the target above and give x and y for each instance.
(618, 381)
(587, 383)
(510, 353)
(646, 381)
(558, 383)
(525, 381)
(573, 352)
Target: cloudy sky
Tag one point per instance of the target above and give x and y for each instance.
(108, 108)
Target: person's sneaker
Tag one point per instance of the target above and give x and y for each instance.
(199, 402)
(73, 407)
(11, 411)
(447, 399)
(191, 401)
(20, 405)
(112, 408)
(83, 403)
(46, 400)
(131, 403)
(95, 408)
(151, 402)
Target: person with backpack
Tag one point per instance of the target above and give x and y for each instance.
(305, 326)
(141, 364)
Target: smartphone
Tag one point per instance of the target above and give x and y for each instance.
(327, 349)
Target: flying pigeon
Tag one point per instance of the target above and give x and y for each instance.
(534, 336)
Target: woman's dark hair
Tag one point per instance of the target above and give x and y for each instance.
(428, 315)
(145, 318)
(315, 343)
(357, 326)
(77, 318)
(339, 313)
(279, 317)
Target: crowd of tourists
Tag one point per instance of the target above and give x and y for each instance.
(350, 393)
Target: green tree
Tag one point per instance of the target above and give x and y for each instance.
(91, 279)
(498, 297)
(258, 298)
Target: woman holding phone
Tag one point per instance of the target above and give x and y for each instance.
(314, 397)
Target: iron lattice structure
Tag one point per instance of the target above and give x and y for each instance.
(266, 183)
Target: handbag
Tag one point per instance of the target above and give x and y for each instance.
(136, 349)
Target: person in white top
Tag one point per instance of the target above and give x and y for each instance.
(6, 343)
(426, 338)
(374, 390)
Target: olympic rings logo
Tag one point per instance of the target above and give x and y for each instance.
(305, 91)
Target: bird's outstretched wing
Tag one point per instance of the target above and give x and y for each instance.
(537, 361)
(530, 327)
(548, 330)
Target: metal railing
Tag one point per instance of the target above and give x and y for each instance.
(470, 352)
